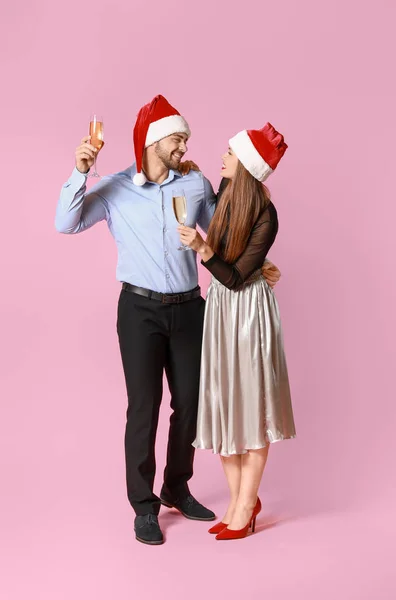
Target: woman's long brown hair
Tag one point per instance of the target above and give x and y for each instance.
(238, 209)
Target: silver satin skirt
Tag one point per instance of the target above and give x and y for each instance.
(244, 397)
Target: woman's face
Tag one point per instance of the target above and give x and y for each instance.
(230, 164)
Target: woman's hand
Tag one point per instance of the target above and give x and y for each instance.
(271, 273)
(187, 166)
(190, 237)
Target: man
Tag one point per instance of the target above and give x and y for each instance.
(160, 310)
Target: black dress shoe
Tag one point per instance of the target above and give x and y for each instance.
(189, 507)
(148, 530)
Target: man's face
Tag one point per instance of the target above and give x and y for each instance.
(171, 150)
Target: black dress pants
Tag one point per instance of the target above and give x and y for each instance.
(154, 336)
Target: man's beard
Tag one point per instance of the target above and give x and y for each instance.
(167, 159)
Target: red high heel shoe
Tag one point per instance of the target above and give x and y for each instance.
(218, 527)
(237, 534)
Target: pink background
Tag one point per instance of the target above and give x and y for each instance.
(323, 73)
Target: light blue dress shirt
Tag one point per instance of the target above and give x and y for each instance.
(142, 222)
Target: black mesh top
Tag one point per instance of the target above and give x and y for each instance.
(262, 237)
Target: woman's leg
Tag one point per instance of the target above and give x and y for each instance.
(232, 470)
(252, 468)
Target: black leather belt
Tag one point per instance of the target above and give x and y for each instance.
(164, 298)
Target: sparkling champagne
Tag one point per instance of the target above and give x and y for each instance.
(96, 133)
(180, 209)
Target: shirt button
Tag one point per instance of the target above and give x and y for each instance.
(166, 252)
(164, 229)
(163, 207)
(167, 275)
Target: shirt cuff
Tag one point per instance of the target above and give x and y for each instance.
(76, 179)
(76, 173)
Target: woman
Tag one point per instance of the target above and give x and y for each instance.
(244, 402)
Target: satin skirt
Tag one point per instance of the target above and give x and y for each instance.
(244, 398)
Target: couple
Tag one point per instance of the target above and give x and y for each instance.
(237, 401)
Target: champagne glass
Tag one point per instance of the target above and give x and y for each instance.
(97, 139)
(180, 210)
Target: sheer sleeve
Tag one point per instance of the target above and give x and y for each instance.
(260, 241)
(210, 202)
(223, 184)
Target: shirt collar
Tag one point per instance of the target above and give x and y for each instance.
(172, 175)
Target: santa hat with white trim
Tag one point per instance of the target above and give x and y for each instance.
(155, 121)
(259, 150)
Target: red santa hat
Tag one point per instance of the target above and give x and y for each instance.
(155, 121)
(259, 150)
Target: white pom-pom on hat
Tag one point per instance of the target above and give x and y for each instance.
(139, 179)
